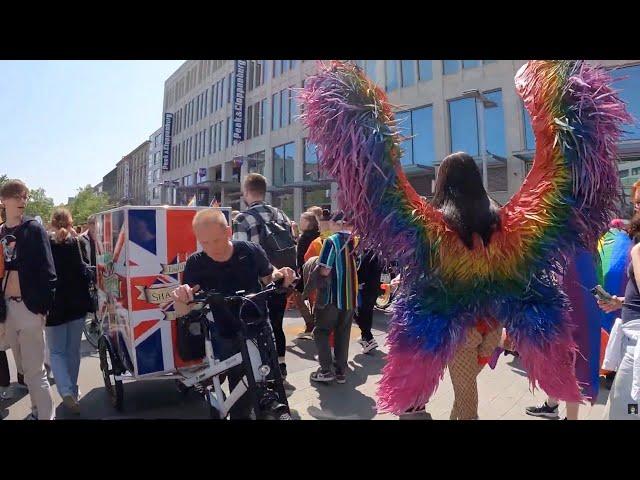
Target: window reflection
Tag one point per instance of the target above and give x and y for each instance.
(629, 85)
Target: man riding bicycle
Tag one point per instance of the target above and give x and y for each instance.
(226, 266)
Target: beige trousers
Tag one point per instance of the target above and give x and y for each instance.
(24, 333)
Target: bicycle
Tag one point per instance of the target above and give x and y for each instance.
(262, 380)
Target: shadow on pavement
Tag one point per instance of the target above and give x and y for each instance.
(345, 402)
(306, 349)
(142, 399)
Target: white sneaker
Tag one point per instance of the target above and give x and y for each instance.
(367, 346)
(6, 393)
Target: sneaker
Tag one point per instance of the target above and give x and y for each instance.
(368, 345)
(49, 372)
(6, 393)
(341, 377)
(31, 416)
(71, 404)
(306, 335)
(320, 376)
(283, 371)
(418, 413)
(543, 410)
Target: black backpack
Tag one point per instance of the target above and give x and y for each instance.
(276, 240)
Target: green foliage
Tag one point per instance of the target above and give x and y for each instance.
(86, 203)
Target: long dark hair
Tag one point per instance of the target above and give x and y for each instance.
(461, 197)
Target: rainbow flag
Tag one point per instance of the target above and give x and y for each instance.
(582, 274)
(614, 248)
(192, 202)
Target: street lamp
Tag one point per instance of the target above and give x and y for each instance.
(481, 105)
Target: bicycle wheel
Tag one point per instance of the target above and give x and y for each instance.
(110, 366)
(92, 329)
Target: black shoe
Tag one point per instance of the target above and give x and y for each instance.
(543, 410)
(283, 371)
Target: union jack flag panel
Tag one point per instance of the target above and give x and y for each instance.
(142, 254)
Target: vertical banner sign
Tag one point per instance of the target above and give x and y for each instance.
(239, 90)
(126, 178)
(166, 142)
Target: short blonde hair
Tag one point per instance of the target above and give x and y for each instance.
(210, 215)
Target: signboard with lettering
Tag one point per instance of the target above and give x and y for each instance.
(166, 143)
(239, 90)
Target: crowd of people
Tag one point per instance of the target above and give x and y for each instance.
(46, 272)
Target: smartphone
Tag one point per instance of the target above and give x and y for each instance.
(601, 294)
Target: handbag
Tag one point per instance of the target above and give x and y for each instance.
(89, 276)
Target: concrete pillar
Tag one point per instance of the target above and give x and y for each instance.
(298, 176)
(268, 170)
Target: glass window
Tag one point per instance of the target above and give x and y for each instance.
(529, 138)
(285, 107)
(210, 139)
(624, 173)
(215, 138)
(278, 166)
(311, 167)
(292, 64)
(450, 67)
(470, 63)
(262, 114)
(629, 86)
(463, 126)
(486, 62)
(256, 118)
(205, 105)
(220, 124)
(283, 160)
(256, 162)
(266, 66)
(424, 151)
(404, 126)
(227, 141)
(408, 73)
(391, 70)
(494, 125)
(259, 72)
(425, 72)
(370, 70)
(635, 171)
(250, 76)
(229, 84)
(275, 111)
(249, 126)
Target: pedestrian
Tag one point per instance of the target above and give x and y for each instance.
(28, 291)
(622, 354)
(88, 239)
(336, 301)
(72, 302)
(269, 227)
(310, 231)
(369, 272)
(227, 266)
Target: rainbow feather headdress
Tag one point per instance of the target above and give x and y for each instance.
(566, 201)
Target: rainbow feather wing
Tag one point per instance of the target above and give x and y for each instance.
(570, 195)
(353, 127)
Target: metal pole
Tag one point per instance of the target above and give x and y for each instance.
(483, 140)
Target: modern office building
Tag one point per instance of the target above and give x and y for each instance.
(222, 129)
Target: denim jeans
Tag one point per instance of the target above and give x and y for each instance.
(64, 345)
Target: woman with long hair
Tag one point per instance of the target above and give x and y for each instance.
(465, 263)
(467, 209)
(72, 302)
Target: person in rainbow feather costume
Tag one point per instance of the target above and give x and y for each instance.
(448, 286)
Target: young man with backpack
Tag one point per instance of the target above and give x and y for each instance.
(269, 227)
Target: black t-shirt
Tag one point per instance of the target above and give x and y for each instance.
(8, 241)
(243, 271)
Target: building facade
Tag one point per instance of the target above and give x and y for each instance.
(110, 185)
(444, 106)
(132, 183)
(154, 169)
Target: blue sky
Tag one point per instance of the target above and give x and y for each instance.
(65, 124)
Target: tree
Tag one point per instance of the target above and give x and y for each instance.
(40, 204)
(87, 202)
(3, 179)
